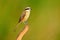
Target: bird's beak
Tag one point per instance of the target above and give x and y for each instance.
(31, 9)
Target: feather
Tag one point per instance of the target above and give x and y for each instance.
(22, 17)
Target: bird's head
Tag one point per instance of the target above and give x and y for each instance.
(27, 8)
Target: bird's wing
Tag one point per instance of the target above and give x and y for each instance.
(22, 16)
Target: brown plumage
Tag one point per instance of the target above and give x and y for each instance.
(22, 17)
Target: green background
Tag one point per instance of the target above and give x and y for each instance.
(44, 21)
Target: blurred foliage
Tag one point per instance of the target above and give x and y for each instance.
(44, 20)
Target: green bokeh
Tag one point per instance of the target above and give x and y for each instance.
(44, 21)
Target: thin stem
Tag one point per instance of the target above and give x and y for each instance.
(24, 31)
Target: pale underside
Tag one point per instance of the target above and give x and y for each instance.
(24, 17)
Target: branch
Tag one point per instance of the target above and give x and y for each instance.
(21, 34)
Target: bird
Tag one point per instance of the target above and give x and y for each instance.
(24, 17)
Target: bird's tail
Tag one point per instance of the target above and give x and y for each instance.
(17, 25)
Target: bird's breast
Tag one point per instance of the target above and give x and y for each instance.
(26, 15)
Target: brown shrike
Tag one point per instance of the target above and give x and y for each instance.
(24, 17)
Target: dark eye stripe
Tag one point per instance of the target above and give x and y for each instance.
(27, 9)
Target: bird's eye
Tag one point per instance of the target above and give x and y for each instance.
(27, 9)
